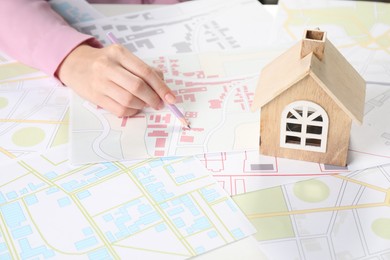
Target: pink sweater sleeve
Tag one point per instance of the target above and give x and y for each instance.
(31, 32)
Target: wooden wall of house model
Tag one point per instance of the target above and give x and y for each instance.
(308, 97)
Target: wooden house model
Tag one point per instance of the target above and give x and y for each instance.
(308, 97)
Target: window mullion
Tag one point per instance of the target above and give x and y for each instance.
(304, 126)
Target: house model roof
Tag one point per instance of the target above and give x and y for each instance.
(325, 64)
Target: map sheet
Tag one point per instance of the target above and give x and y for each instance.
(193, 26)
(113, 210)
(218, 110)
(215, 95)
(344, 216)
(33, 116)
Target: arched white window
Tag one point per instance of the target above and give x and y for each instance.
(304, 126)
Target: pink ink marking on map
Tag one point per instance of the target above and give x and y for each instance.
(167, 118)
(160, 142)
(200, 75)
(189, 114)
(157, 126)
(194, 129)
(158, 153)
(126, 118)
(156, 133)
(215, 104)
(190, 97)
(186, 139)
(214, 163)
(188, 74)
(191, 90)
(179, 99)
(239, 183)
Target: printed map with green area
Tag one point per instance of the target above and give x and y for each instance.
(359, 29)
(330, 217)
(33, 115)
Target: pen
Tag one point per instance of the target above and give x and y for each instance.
(171, 107)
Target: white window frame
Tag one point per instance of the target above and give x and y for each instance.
(304, 120)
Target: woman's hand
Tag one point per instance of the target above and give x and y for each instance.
(114, 79)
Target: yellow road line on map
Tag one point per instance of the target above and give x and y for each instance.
(387, 198)
(177, 234)
(361, 183)
(151, 250)
(7, 153)
(83, 211)
(386, 202)
(16, 71)
(7, 238)
(33, 121)
(306, 211)
(56, 248)
(22, 79)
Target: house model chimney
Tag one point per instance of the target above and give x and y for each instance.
(313, 41)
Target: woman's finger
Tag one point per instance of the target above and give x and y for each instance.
(134, 85)
(137, 67)
(114, 107)
(122, 96)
